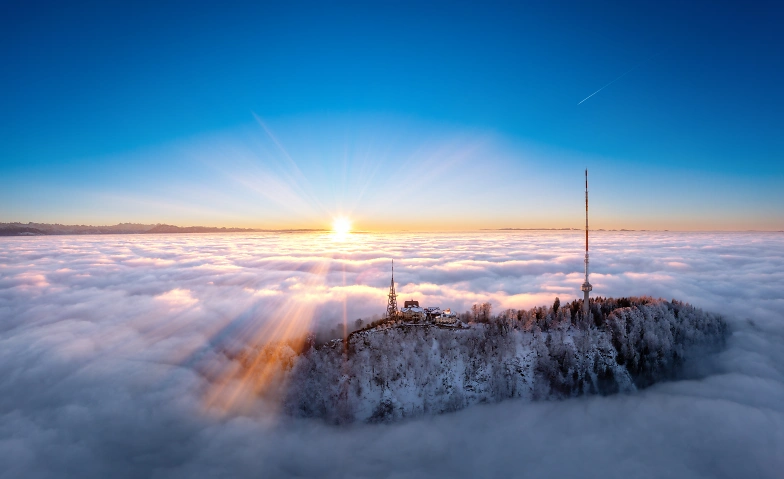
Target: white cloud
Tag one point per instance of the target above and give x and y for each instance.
(178, 298)
(104, 342)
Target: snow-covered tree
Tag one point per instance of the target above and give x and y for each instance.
(397, 370)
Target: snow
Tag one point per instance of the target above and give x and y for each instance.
(405, 370)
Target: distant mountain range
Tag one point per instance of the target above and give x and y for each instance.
(40, 229)
(550, 229)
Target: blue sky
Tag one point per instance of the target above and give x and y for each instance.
(117, 112)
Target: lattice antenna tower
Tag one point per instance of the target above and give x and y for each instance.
(586, 287)
(392, 299)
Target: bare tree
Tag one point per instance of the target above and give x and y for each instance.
(485, 311)
(475, 311)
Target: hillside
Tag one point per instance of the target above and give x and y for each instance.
(399, 370)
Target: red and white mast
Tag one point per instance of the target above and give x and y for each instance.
(586, 287)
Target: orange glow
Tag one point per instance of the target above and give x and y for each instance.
(268, 355)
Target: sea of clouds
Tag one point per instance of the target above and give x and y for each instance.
(106, 344)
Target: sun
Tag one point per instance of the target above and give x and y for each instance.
(341, 225)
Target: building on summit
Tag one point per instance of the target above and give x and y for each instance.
(411, 311)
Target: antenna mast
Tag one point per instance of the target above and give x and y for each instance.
(586, 287)
(392, 298)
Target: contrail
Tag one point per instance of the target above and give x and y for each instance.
(626, 73)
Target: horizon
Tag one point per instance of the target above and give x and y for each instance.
(329, 228)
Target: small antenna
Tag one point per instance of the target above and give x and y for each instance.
(392, 311)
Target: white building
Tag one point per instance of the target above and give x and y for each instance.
(446, 316)
(414, 313)
(411, 311)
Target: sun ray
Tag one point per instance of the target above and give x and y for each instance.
(263, 360)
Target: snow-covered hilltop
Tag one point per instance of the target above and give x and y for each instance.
(399, 369)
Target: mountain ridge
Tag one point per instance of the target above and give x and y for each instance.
(47, 229)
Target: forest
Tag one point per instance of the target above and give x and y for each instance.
(391, 370)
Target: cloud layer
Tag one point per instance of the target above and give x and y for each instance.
(104, 342)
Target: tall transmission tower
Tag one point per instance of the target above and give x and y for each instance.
(392, 299)
(586, 287)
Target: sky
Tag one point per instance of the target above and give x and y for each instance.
(106, 344)
(398, 115)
